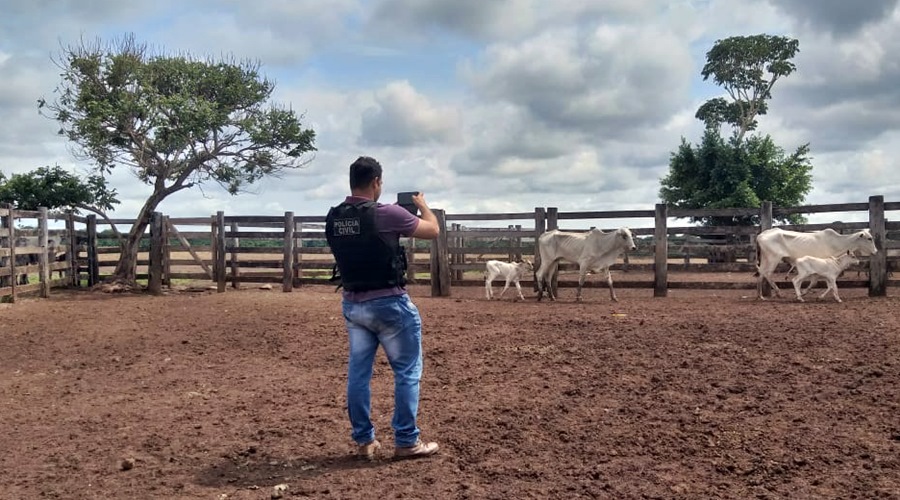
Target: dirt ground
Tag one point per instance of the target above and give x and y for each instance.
(702, 394)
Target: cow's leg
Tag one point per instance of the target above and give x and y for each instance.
(787, 275)
(548, 278)
(540, 278)
(519, 289)
(766, 269)
(488, 293)
(813, 279)
(554, 279)
(797, 281)
(612, 293)
(832, 287)
(505, 287)
(582, 275)
(762, 269)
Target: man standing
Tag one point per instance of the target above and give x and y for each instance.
(364, 237)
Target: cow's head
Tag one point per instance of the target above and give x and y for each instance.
(628, 240)
(864, 243)
(525, 266)
(847, 259)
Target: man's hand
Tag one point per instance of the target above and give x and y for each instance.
(428, 227)
(419, 201)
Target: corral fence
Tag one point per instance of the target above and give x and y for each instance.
(291, 250)
(36, 259)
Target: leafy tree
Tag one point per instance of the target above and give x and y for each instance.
(743, 170)
(720, 174)
(56, 188)
(175, 121)
(747, 67)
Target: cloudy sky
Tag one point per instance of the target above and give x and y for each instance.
(498, 105)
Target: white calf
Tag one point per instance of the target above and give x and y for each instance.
(829, 269)
(512, 272)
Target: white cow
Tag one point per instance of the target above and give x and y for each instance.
(512, 272)
(774, 245)
(829, 269)
(594, 250)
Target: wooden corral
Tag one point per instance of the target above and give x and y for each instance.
(36, 259)
(291, 250)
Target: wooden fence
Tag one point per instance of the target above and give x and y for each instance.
(38, 252)
(290, 250)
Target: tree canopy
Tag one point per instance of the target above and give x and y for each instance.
(724, 174)
(56, 188)
(747, 67)
(174, 120)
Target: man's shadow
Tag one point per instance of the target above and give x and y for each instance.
(249, 468)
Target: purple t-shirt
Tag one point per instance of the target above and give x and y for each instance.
(392, 221)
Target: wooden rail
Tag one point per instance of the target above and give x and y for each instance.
(225, 249)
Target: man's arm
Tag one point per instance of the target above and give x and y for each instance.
(427, 228)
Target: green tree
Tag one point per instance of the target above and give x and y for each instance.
(724, 174)
(747, 67)
(56, 188)
(175, 121)
(743, 170)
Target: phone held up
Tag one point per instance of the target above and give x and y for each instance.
(405, 200)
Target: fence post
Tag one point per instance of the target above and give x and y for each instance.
(72, 250)
(511, 256)
(878, 261)
(765, 222)
(43, 260)
(4, 281)
(235, 268)
(13, 276)
(553, 223)
(540, 225)
(440, 261)
(93, 256)
(518, 254)
(166, 253)
(456, 258)
(220, 251)
(154, 281)
(213, 247)
(661, 252)
(287, 276)
(295, 265)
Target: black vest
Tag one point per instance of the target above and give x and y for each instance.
(364, 260)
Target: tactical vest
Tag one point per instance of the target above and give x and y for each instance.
(364, 260)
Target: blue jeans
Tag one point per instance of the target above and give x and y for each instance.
(394, 323)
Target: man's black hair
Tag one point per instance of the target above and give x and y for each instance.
(363, 171)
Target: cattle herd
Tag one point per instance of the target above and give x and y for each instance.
(821, 254)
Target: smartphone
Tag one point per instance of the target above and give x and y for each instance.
(405, 200)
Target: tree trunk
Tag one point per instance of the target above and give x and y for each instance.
(126, 268)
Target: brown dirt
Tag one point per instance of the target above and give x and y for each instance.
(703, 394)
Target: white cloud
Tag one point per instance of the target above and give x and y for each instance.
(401, 116)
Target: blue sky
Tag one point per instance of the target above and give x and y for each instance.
(488, 106)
